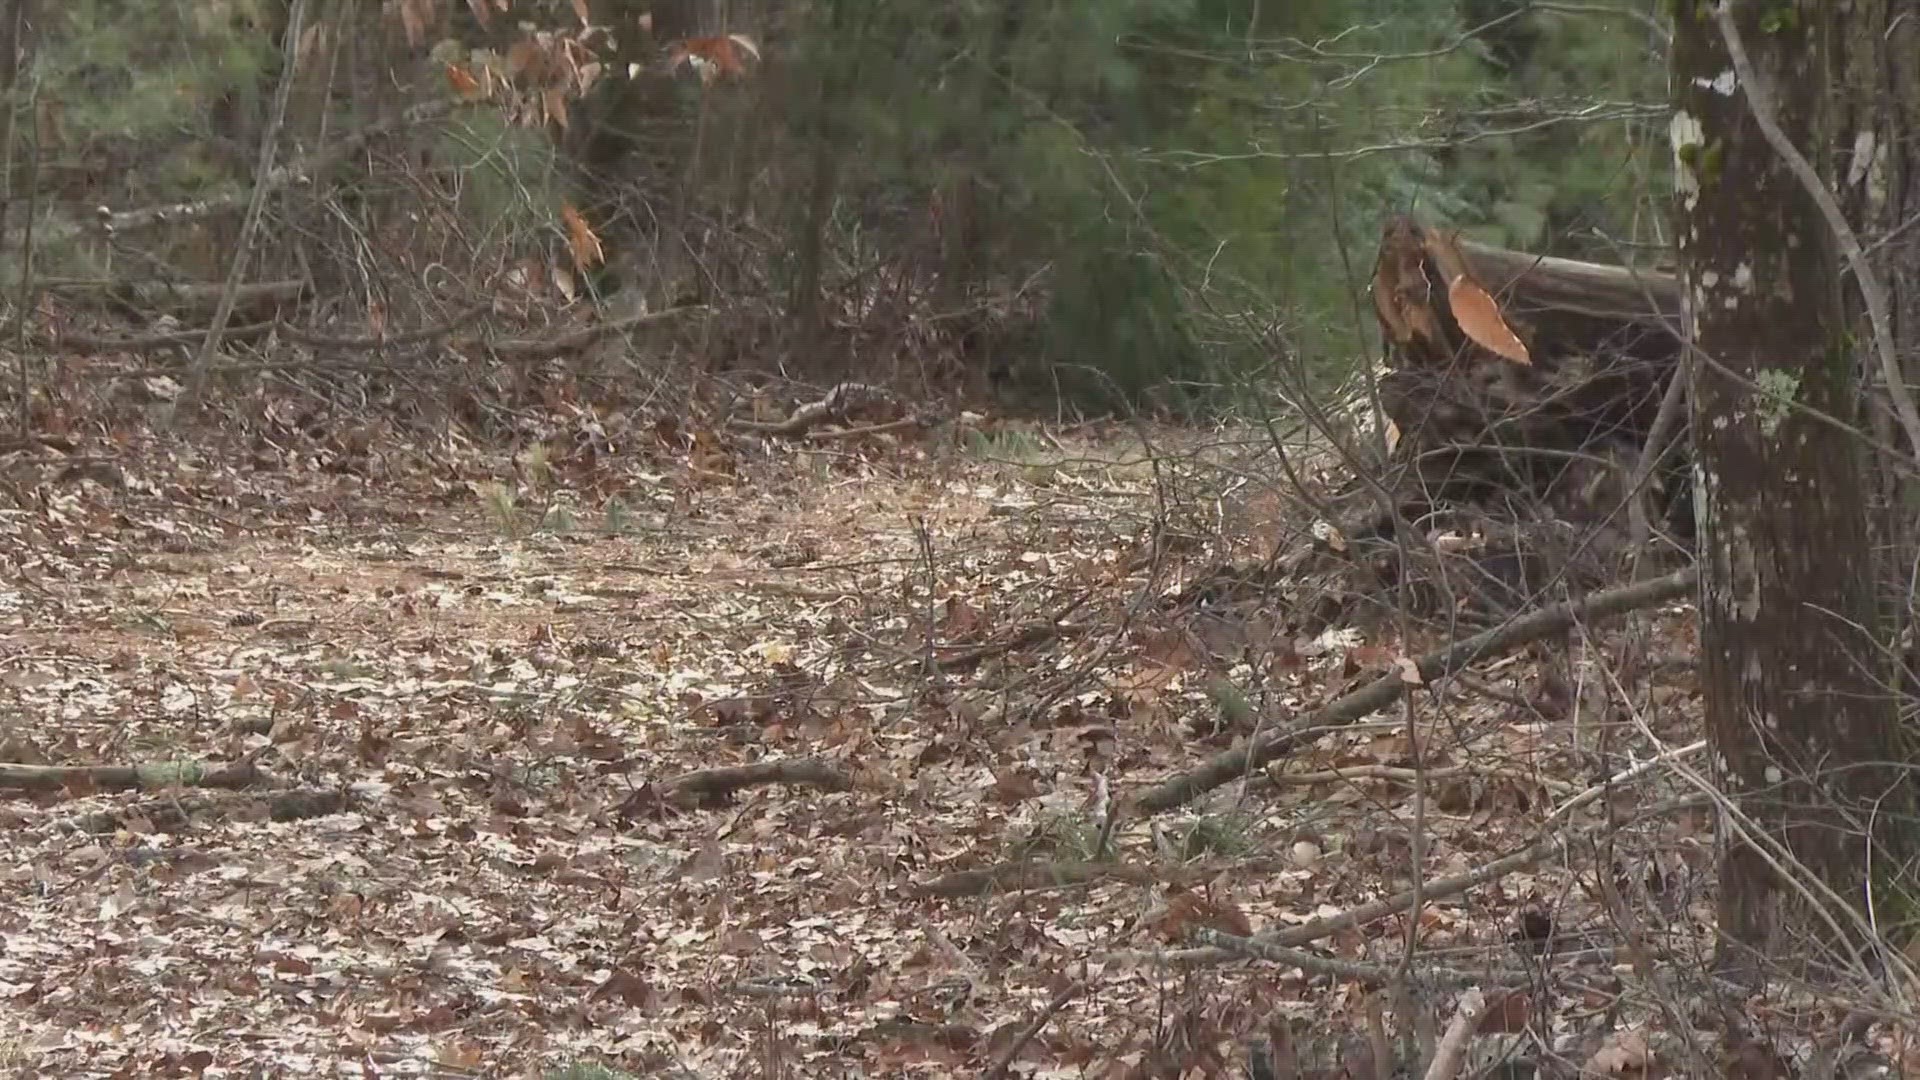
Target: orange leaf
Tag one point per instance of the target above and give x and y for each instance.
(1186, 908)
(714, 57)
(1393, 435)
(580, 12)
(963, 621)
(463, 82)
(586, 246)
(1479, 316)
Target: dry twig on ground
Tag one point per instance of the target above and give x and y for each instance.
(1383, 691)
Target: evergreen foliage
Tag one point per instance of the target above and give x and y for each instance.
(1157, 182)
(1181, 170)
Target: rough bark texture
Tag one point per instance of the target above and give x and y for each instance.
(1797, 705)
(1880, 69)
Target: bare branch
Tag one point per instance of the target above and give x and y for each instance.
(249, 225)
(1384, 691)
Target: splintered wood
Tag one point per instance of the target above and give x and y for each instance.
(1506, 368)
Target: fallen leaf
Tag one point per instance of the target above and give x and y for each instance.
(1012, 787)
(463, 82)
(585, 246)
(1624, 1053)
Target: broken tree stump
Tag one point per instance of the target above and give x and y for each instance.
(1515, 374)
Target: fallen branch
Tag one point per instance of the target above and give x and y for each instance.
(1028, 874)
(1347, 774)
(84, 779)
(904, 423)
(1452, 1053)
(711, 786)
(1434, 666)
(1377, 974)
(175, 815)
(1034, 633)
(32, 441)
(571, 341)
(300, 171)
(367, 343)
(88, 343)
(181, 298)
(510, 348)
(843, 402)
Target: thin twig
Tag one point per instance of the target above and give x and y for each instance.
(1673, 405)
(901, 424)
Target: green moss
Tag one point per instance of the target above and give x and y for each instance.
(1777, 390)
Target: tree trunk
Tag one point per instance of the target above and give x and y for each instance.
(1798, 708)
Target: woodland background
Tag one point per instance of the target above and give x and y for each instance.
(707, 538)
(1114, 202)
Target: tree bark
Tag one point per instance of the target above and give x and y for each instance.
(1799, 713)
(1880, 69)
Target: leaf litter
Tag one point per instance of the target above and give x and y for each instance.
(815, 758)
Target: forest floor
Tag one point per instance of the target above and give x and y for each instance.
(459, 709)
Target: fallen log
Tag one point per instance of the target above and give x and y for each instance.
(177, 813)
(88, 778)
(1557, 307)
(707, 788)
